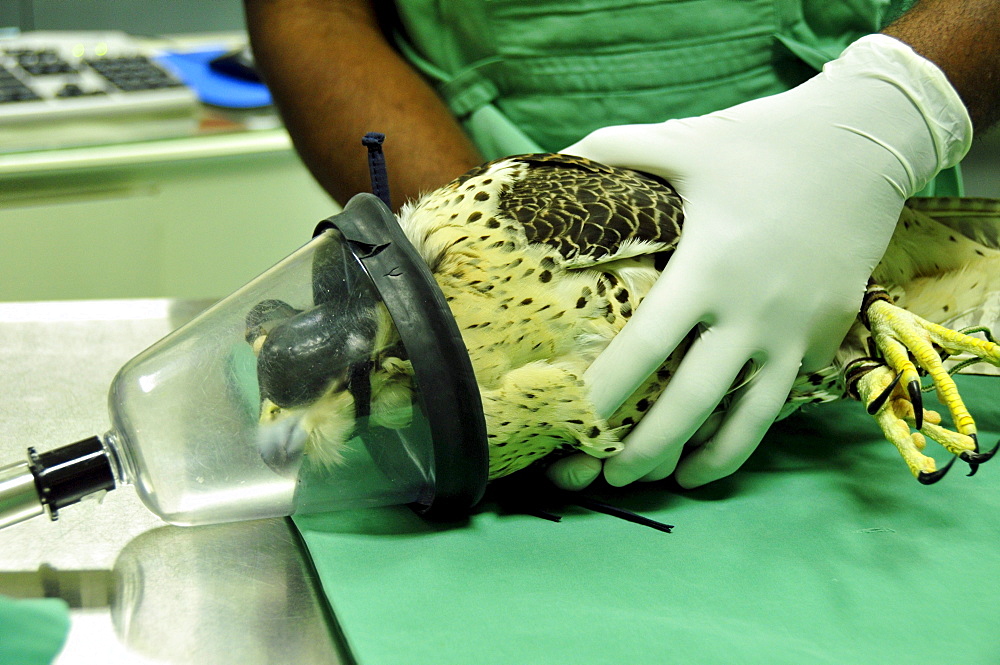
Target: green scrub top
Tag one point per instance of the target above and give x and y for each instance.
(538, 75)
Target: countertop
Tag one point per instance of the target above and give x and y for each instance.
(140, 591)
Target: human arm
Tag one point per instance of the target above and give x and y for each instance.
(334, 77)
(789, 203)
(963, 40)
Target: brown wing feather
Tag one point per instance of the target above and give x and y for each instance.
(588, 211)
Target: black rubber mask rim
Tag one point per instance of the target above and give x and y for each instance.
(447, 388)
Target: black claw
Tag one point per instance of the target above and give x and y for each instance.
(877, 403)
(931, 478)
(992, 451)
(974, 459)
(917, 399)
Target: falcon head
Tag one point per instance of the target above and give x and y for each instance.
(320, 372)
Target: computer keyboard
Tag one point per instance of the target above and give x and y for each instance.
(55, 75)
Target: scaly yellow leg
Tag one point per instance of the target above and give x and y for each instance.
(902, 338)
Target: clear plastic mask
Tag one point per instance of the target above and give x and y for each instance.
(274, 387)
(337, 379)
(298, 393)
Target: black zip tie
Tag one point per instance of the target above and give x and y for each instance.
(546, 515)
(376, 166)
(531, 494)
(614, 511)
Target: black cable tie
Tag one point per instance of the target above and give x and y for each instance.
(529, 493)
(620, 513)
(376, 166)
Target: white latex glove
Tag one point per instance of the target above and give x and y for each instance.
(789, 203)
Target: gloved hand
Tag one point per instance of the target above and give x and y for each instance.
(789, 201)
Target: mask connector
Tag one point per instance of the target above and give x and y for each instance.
(53, 480)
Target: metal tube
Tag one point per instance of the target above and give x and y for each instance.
(19, 500)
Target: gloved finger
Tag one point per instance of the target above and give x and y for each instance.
(750, 416)
(574, 472)
(699, 385)
(642, 345)
(704, 433)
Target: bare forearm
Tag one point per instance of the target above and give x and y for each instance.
(334, 78)
(962, 37)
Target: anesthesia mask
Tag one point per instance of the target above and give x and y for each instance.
(337, 379)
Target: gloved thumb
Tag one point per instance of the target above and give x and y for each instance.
(647, 147)
(575, 472)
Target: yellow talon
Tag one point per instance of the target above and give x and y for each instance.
(899, 333)
(953, 442)
(892, 391)
(891, 419)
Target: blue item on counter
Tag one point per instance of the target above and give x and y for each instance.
(212, 85)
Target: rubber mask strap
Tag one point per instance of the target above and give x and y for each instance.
(360, 387)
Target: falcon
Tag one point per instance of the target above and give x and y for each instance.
(544, 258)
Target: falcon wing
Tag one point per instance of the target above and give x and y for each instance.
(978, 221)
(591, 213)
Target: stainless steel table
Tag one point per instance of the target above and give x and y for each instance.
(141, 591)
